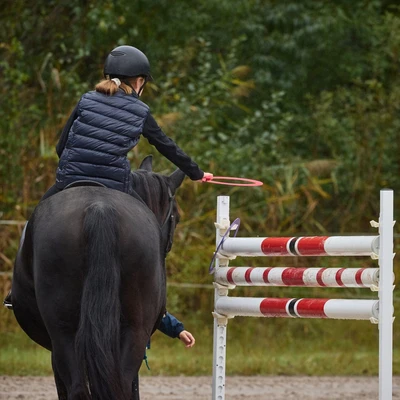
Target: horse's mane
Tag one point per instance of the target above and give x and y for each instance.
(153, 189)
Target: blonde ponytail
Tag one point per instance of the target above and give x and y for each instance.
(111, 86)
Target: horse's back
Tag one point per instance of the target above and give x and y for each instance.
(63, 214)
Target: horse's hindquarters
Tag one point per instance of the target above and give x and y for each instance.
(100, 286)
(24, 302)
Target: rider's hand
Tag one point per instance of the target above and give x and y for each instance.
(187, 338)
(207, 177)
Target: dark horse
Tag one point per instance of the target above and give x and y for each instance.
(89, 281)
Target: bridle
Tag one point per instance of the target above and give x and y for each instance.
(168, 226)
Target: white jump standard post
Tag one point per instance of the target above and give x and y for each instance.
(386, 295)
(380, 279)
(220, 321)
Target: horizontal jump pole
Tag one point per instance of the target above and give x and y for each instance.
(292, 276)
(297, 308)
(301, 246)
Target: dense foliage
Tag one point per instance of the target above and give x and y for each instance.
(304, 96)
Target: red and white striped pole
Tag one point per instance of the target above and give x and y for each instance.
(297, 308)
(301, 246)
(292, 276)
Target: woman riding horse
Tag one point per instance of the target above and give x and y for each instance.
(89, 282)
(106, 124)
(89, 278)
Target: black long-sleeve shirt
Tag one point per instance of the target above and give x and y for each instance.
(169, 149)
(156, 137)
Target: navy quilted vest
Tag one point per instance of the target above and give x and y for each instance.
(106, 129)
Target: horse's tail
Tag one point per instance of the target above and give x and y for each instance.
(98, 336)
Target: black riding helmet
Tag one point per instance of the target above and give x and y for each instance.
(127, 62)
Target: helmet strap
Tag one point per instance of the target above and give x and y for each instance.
(142, 87)
(128, 84)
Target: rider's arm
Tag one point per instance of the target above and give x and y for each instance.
(64, 134)
(169, 149)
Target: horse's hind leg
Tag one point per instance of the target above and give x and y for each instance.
(61, 389)
(132, 352)
(69, 376)
(135, 388)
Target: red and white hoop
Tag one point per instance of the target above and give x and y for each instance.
(232, 181)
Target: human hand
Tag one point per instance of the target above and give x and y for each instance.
(187, 338)
(207, 177)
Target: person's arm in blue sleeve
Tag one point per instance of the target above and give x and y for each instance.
(173, 328)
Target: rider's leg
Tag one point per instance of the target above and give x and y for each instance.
(53, 190)
(8, 301)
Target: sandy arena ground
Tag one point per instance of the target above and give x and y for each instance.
(199, 388)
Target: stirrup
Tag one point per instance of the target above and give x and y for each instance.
(7, 304)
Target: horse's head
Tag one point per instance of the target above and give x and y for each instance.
(158, 192)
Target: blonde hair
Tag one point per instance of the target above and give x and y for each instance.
(110, 86)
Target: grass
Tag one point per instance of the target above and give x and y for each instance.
(20, 356)
(258, 347)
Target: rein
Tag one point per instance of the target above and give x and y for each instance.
(168, 223)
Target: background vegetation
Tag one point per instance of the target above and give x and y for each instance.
(304, 96)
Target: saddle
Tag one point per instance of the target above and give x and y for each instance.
(84, 182)
(87, 182)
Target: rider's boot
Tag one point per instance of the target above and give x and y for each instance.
(7, 301)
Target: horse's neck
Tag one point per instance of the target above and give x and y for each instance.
(157, 211)
(151, 195)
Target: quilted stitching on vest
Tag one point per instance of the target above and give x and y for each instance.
(106, 129)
